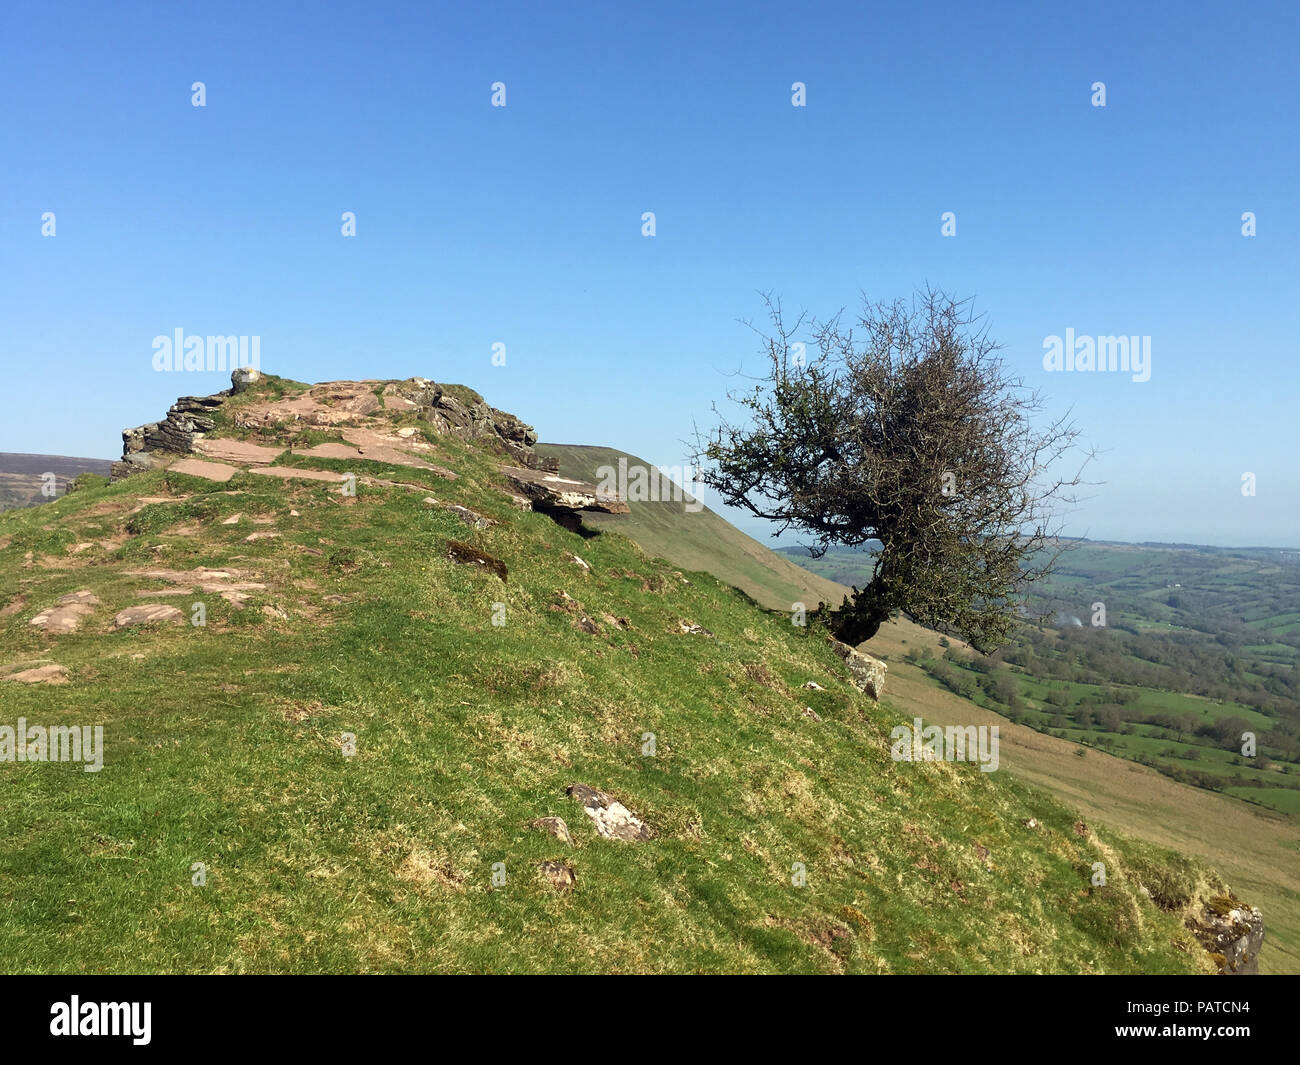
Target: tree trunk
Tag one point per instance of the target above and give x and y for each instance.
(860, 620)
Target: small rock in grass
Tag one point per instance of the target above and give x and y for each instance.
(613, 820)
(560, 874)
(555, 826)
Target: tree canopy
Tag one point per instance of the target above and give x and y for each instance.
(907, 432)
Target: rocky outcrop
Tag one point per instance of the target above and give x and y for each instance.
(188, 419)
(65, 616)
(867, 673)
(244, 378)
(1232, 932)
(560, 875)
(548, 491)
(147, 614)
(51, 674)
(452, 410)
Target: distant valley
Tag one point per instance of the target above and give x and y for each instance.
(1161, 653)
(22, 477)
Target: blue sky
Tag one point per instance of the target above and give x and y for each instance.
(522, 225)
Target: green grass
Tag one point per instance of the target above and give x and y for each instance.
(224, 746)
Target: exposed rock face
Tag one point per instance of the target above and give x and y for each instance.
(613, 820)
(209, 471)
(550, 492)
(462, 412)
(1233, 934)
(450, 409)
(186, 422)
(868, 673)
(244, 378)
(52, 674)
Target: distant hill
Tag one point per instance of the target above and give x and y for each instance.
(700, 540)
(22, 476)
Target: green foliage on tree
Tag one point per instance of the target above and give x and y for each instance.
(904, 430)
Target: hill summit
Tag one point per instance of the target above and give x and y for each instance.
(365, 693)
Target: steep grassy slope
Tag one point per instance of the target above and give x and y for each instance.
(225, 745)
(699, 540)
(1258, 852)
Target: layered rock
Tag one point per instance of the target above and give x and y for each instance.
(458, 411)
(450, 409)
(188, 419)
(1232, 932)
(549, 491)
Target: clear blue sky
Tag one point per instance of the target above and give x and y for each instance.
(522, 225)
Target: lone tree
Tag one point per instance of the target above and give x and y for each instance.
(906, 430)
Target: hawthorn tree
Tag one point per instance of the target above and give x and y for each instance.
(906, 431)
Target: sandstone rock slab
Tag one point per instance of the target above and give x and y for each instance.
(147, 614)
(288, 473)
(244, 452)
(209, 471)
(550, 491)
(65, 616)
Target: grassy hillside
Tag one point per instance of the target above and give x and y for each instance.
(699, 540)
(1257, 851)
(234, 827)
